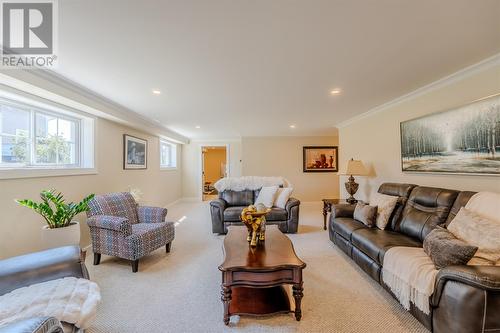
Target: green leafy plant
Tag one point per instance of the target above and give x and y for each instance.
(56, 212)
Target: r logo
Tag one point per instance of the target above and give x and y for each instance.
(27, 28)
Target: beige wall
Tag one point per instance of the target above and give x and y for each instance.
(20, 227)
(214, 160)
(375, 139)
(191, 164)
(282, 156)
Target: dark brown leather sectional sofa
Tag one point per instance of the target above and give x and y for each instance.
(466, 298)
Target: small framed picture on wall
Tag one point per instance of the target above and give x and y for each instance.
(320, 159)
(135, 153)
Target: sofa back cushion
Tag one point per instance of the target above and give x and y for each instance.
(238, 198)
(402, 191)
(120, 204)
(426, 208)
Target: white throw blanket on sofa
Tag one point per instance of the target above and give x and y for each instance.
(70, 299)
(249, 183)
(410, 274)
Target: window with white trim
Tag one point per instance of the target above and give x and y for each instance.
(32, 137)
(168, 155)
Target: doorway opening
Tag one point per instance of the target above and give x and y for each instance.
(213, 168)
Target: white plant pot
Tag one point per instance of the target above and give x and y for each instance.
(57, 237)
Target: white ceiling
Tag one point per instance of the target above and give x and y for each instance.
(251, 68)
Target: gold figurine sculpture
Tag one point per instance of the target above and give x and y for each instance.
(254, 219)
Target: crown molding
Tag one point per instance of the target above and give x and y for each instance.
(447, 80)
(56, 88)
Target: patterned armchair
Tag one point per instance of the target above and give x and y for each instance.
(121, 228)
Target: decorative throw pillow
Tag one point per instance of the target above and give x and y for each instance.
(385, 205)
(266, 196)
(282, 196)
(365, 214)
(479, 231)
(446, 250)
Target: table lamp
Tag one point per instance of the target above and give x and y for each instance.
(354, 168)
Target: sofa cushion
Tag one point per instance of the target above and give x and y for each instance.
(365, 214)
(266, 196)
(446, 250)
(237, 198)
(375, 242)
(385, 206)
(402, 191)
(345, 226)
(277, 214)
(232, 214)
(426, 208)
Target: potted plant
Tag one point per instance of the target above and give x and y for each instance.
(61, 229)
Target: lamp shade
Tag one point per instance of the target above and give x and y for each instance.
(356, 168)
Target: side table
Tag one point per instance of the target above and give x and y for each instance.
(327, 207)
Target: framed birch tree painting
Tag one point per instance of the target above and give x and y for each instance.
(465, 140)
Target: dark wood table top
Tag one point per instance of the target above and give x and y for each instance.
(276, 252)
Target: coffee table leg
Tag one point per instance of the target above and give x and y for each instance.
(226, 299)
(297, 295)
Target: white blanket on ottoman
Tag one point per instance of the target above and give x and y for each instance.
(410, 274)
(69, 299)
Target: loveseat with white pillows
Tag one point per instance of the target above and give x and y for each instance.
(238, 193)
(435, 250)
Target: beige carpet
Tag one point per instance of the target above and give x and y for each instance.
(179, 292)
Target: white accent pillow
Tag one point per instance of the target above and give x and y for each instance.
(479, 231)
(282, 196)
(266, 196)
(385, 205)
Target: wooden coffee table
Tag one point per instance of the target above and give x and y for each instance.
(253, 278)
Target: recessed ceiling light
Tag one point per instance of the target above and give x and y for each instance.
(197, 126)
(156, 92)
(292, 126)
(335, 91)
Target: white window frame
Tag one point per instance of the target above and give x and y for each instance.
(84, 144)
(173, 155)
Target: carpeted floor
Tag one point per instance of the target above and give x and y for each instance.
(180, 291)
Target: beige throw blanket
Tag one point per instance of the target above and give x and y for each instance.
(69, 299)
(410, 274)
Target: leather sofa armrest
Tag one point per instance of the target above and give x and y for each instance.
(292, 208)
(219, 203)
(292, 202)
(34, 325)
(115, 223)
(482, 277)
(28, 269)
(217, 208)
(343, 210)
(149, 214)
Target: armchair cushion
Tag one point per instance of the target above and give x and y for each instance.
(149, 214)
(232, 214)
(147, 237)
(114, 223)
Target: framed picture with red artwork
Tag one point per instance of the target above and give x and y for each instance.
(320, 159)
